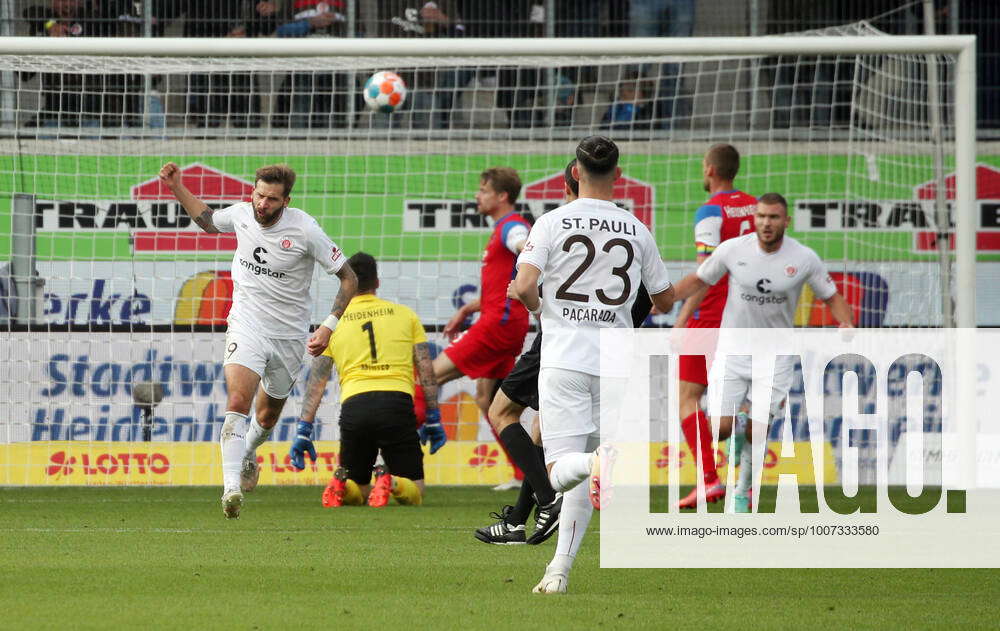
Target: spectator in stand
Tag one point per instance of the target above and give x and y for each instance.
(432, 89)
(312, 99)
(517, 87)
(617, 22)
(215, 99)
(664, 18)
(631, 109)
(575, 18)
(982, 19)
(122, 95)
(269, 18)
(67, 99)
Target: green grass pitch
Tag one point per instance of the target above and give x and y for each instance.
(76, 558)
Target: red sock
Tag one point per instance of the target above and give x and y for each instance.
(518, 474)
(695, 428)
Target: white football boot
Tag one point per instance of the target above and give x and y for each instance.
(249, 474)
(232, 502)
(554, 581)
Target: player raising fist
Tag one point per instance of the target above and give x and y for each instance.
(277, 248)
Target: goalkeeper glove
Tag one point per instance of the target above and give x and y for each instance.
(302, 445)
(432, 430)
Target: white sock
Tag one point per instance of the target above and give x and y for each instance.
(234, 446)
(569, 471)
(256, 436)
(573, 521)
(746, 468)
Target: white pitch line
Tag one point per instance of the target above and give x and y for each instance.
(229, 531)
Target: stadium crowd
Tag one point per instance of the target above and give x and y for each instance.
(633, 98)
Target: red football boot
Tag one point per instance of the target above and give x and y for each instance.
(379, 496)
(713, 494)
(333, 494)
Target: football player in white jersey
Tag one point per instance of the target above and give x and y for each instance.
(276, 250)
(766, 272)
(593, 255)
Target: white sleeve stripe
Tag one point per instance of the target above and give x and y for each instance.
(832, 293)
(709, 231)
(661, 290)
(517, 235)
(337, 266)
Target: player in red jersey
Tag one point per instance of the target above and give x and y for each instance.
(486, 351)
(728, 213)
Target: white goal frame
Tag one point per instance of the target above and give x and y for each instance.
(962, 46)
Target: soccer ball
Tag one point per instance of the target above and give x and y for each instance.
(385, 91)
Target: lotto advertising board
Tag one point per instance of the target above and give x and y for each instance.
(82, 463)
(71, 394)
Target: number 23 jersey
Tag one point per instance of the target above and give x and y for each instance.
(593, 255)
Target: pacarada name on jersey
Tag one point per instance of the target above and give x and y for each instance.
(583, 314)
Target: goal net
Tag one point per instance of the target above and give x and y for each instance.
(106, 284)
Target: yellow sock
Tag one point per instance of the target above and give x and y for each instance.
(352, 494)
(406, 491)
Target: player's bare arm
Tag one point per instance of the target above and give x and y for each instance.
(664, 301)
(319, 375)
(840, 310)
(348, 288)
(425, 371)
(688, 286)
(693, 302)
(199, 212)
(347, 291)
(524, 287)
(466, 310)
(473, 306)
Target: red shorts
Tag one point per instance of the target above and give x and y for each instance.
(488, 349)
(694, 368)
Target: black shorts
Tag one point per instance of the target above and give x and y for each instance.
(373, 421)
(521, 385)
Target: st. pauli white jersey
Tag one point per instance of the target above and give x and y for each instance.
(764, 287)
(273, 269)
(593, 255)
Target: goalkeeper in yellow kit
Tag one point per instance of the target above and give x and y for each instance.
(376, 347)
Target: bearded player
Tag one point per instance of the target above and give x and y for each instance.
(277, 248)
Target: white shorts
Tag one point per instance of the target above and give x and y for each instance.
(733, 375)
(556, 448)
(569, 403)
(277, 362)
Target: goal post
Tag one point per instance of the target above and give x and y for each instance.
(547, 52)
(837, 120)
